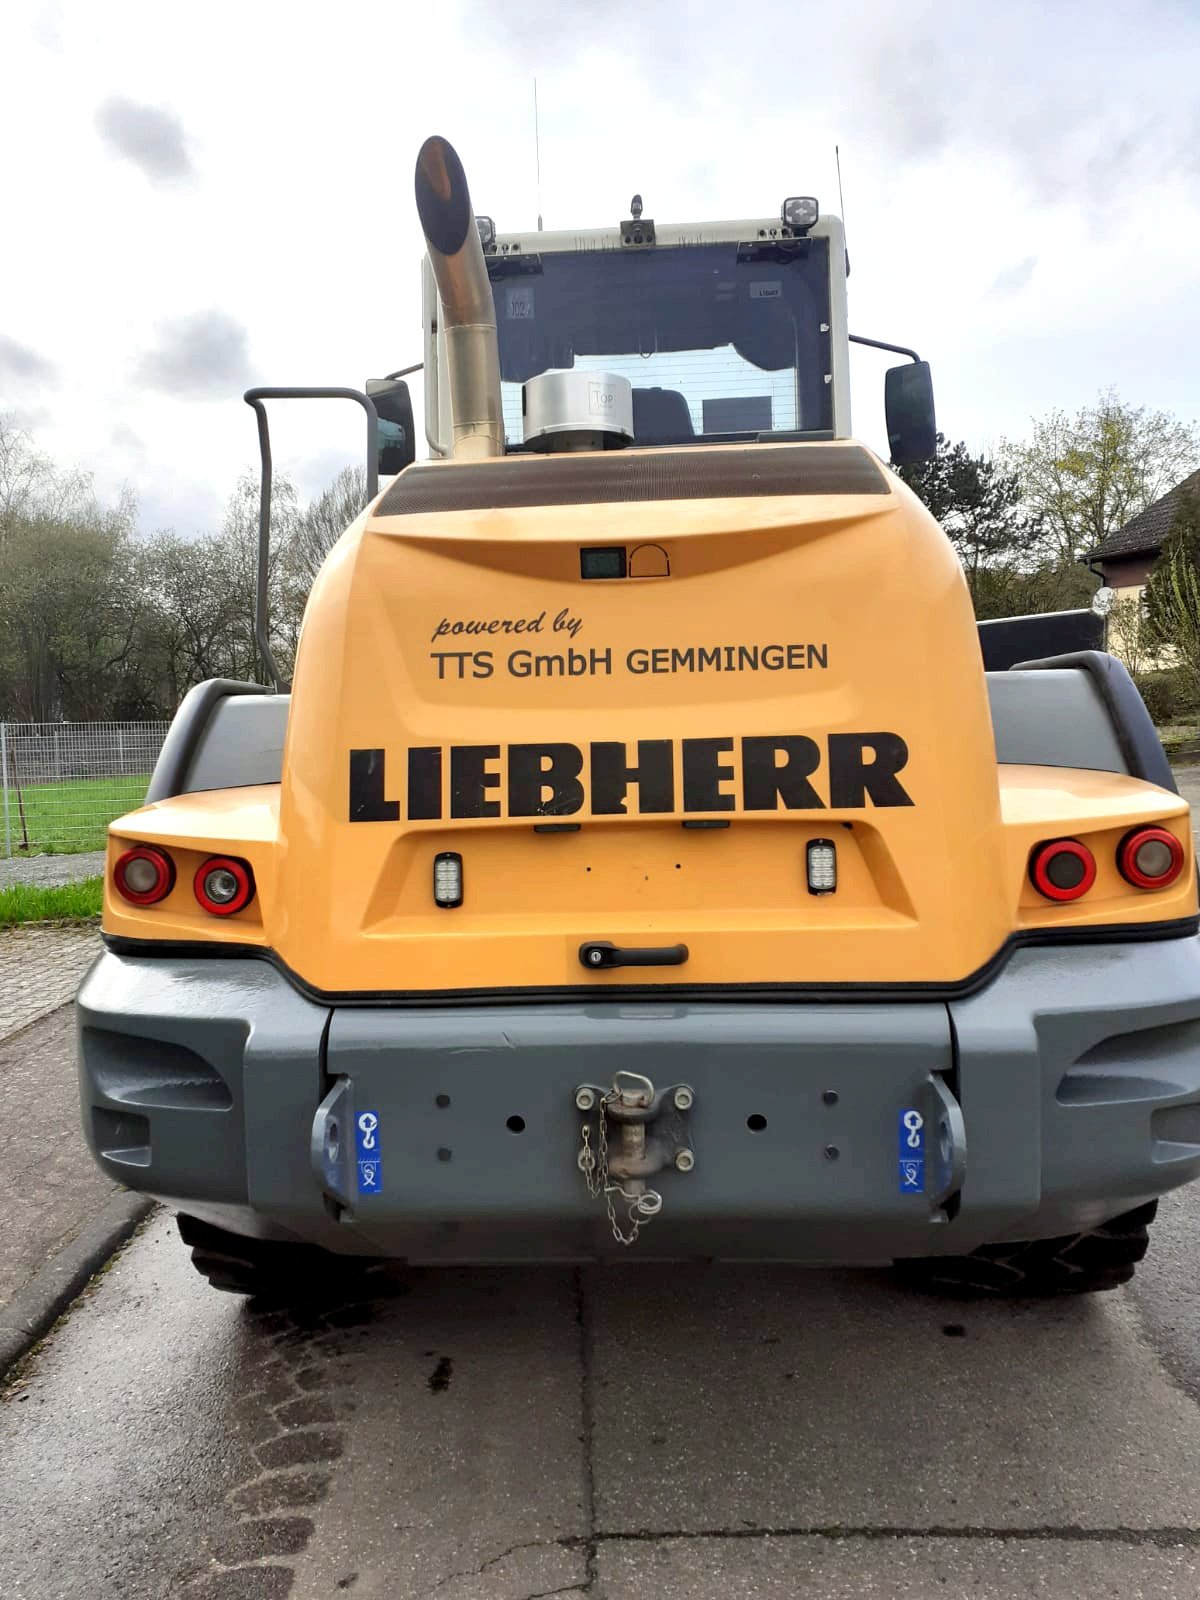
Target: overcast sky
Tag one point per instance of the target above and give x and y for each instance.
(198, 198)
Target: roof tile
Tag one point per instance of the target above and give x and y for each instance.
(1147, 532)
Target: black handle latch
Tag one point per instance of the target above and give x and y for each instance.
(598, 954)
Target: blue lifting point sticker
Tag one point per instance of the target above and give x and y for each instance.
(912, 1151)
(368, 1153)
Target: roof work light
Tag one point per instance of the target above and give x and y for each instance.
(799, 212)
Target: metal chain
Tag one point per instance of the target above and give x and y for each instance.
(595, 1172)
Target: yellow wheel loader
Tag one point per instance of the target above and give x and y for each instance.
(651, 850)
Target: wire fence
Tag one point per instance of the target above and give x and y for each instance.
(62, 783)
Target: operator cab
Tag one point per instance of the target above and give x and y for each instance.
(726, 332)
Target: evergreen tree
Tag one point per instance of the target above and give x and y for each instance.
(1172, 600)
(979, 506)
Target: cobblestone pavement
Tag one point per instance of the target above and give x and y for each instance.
(48, 872)
(40, 969)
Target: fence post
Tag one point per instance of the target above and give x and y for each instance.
(4, 786)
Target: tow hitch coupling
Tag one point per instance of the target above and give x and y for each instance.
(630, 1132)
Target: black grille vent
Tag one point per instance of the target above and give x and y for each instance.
(699, 473)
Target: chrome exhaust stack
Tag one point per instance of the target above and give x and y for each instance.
(468, 309)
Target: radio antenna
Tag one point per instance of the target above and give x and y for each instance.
(537, 148)
(837, 156)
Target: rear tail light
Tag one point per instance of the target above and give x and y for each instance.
(224, 885)
(143, 875)
(1062, 869)
(1150, 858)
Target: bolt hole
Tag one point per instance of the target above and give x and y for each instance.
(515, 1124)
(444, 1155)
(442, 1100)
(757, 1122)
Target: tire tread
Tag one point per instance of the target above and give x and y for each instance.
(264, 1269)
(1081, 1263)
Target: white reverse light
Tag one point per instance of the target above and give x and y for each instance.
(141, 874)
(822, 866)
(448, 879)
(221, 886)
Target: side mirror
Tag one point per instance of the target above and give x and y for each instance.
(397, 437)
(908, 405)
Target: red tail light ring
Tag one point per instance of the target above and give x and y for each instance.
(1062, 869)
(1150, 858)
(144, 876)
(224, 886)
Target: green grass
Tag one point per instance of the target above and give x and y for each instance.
(65, 818)
(1181, 740)
(68, 902)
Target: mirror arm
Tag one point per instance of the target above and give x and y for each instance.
(254, 398)
(403, 372)
(882, 344)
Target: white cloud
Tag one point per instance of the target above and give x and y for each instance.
(22, 366)
(201, 356)
(150, 137)
(1015, 277)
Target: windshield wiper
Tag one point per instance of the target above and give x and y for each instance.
(517, 266)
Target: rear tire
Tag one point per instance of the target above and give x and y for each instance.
(1078, 1263)
(263, 1268)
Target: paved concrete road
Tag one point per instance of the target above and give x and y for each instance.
(49, 1186)
(642, 1434)
(47, 872)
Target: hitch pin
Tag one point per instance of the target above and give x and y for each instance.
(634, 1097)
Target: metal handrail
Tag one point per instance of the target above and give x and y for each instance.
(254, 398)
(882, 344)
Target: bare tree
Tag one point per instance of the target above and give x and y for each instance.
(1083, 477)
(323, 521)
(30, 484)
